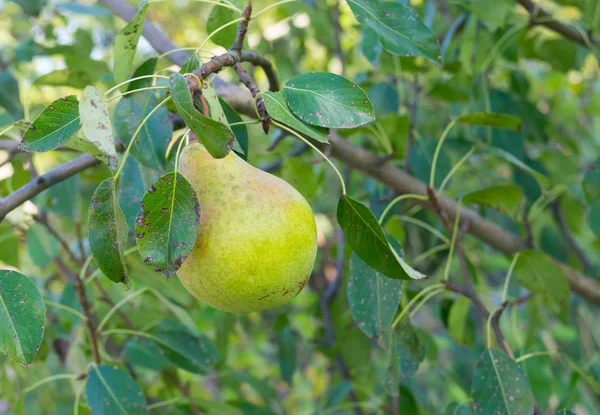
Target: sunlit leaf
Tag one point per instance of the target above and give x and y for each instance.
(504, 198)
(96, 125)
(126, 43)
(218, 17)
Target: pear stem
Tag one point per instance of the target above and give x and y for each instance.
(289, 130)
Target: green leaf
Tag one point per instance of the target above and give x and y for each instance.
(459, 409)
(22, 317)
(41, 246)
(84, 146)
(564, 412)
(9, 95)
(539, 273)
(337, 394)
(542, 180)
(278, 109)
(593, 218)
(367, 239)
(491, 119)
(400, 29)
(591, 182)
(146, 68)
(373, 298)
(218, 17)
(95, 123)
(408, 351)
(504, 198)
(458, 321)
(300, 175)
(126, 43)
(193, 353)
(131, 190)
(107, 232)
(166, 228)
(145, 353)
(328, 100)
(57, 123)
(370, 46)
(110, 390)
(9, 254)
(421, 160)
(500, 386)
(240, 131)
(151, 144)
(215, 136)
(287, 354)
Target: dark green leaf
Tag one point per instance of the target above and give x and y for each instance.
(300, 174)
(145, 353)
(287, 354)
(126, 43)
(166, 228)
(41, 246)
(370, 46)
(459, 409)
(373, 298)
(337, 394)
(110, 390)
(96, 125)
(131, 190)
(218, 17)
(22, 317)
(328, 100)
(196, 354)
(367, 239)
(400, 29)
(9, 254)
(490, 119)
(421, 160)
(537, 272)
(57, 123)
(240, 131)
(146, 68)
(409, 352)
(31, 7)
(504, 198)
(500, 386)
(107, 232)
(215, 136)
(9, 95)
(279, 110)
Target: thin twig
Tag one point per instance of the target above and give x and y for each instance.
(412, 122)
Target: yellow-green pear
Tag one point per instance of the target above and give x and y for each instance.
(257, 240)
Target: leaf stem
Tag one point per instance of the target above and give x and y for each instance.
(453, 241)
(41, 382)
(416, 298)
(199, 48)
(508, 276)
(114, 88)
(399, 199)
(271, 6)
(67, 309)
(291, 131)
(534, 354)
(150, 88)
(437, 153)
(422, 303)
(455, 168)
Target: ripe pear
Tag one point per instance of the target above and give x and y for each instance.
(257, 239)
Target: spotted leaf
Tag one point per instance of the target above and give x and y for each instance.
(166, 228)
(22, 317)
(96, 124)
(126, 43)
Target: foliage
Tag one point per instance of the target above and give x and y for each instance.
(447, 149)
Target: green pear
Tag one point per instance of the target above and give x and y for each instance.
(257, 240)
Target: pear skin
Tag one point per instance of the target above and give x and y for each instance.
(257, 241)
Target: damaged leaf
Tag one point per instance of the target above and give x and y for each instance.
(96, 124)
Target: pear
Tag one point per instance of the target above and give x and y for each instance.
(257, 239)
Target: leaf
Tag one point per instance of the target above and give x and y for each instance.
(9, 95)
(367, 239)
(591, 182)
(373, 298)
(151, 144)
(490, 119)
(542, 180)
(300, 175)
(146, 68)
(278, 109)
(145, 353)
(500, 386)
(126, 43)
(370, 46)
(131, 191)
(287, 354)
(166, 228)
(400, 29)
(84, 146)
(537, 272)
(421, 160)
(9, 254)
(95, 123)
(337, 394)
(458, 320)
(239, 131)
(504, 198)
(107, 232)
(56, 124)
(22, 317)
(218, 17)
(328, 100)
(215, 136)
(110, 390)
(196, 354)
(41, 246)
(458, 409)
(408, 351)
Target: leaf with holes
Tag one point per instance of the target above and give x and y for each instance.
(166, 228)
(500, 386)
(111, 390)
(190, 352)
(400, 29)
(107, 232)
(539, 273)
(95, 123)
(503, 198)
(328, 100)
(278, 110)
(126, 43)
(22, 317)
(492, 119)
(55, 125)
(365, 236)
(215, 136)
(373, 298)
